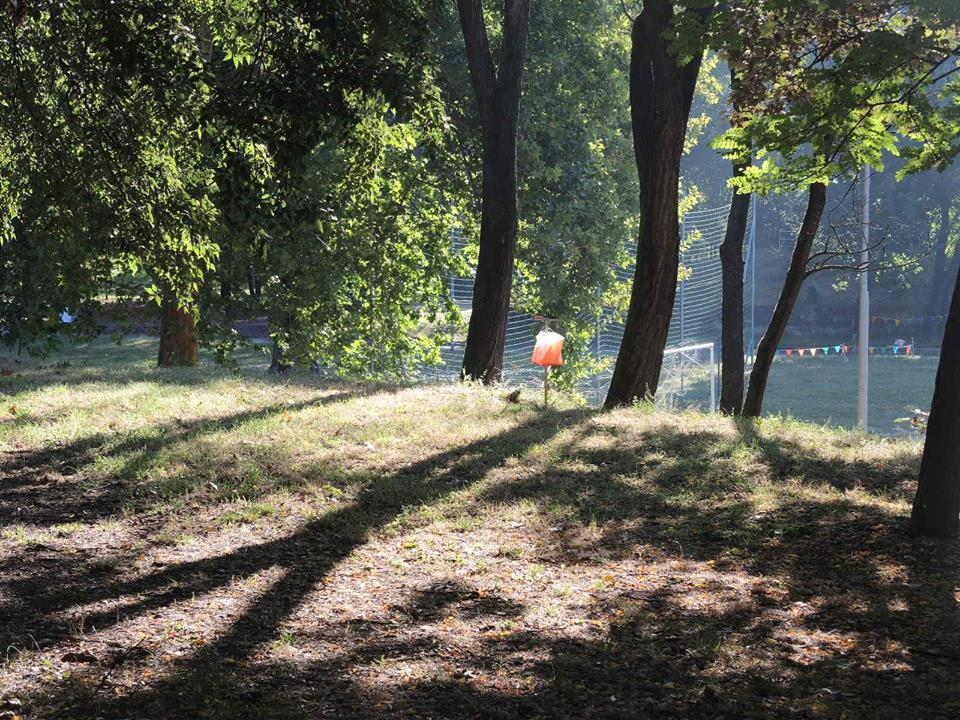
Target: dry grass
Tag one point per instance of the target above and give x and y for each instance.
(199, 544)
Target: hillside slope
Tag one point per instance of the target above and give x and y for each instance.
(199, 544)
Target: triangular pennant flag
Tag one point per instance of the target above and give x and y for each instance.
(813, 351)
(872, 350)
(801, 351)
(909, 349)
(826, 350)
(895, 350)
(838, 348)
(846, 349)
(789, 352)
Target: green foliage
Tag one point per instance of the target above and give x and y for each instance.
(827, 87)
(99, 154)
(357, 281)
(578, 197)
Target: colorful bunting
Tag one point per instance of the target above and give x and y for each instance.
(846, 349)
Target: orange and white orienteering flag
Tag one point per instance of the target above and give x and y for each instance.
(549, 348)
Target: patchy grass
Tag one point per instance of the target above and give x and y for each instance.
(197, 543)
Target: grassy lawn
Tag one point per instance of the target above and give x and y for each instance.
(198, 543)
(824, 389)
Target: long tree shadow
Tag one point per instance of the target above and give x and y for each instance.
(786, 458)
(40, 488)
(305, 558)
(818, 607)
(39, 485)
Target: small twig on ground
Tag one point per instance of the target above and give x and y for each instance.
(117, 662)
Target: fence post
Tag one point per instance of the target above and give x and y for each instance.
(713, 380)
(683, 304)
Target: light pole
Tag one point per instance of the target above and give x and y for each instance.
(863, 333)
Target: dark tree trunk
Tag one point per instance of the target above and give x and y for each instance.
(497, 92)
(796, 274)
(661, 93)
(731, 336)
(938, 285)
(936, 507)
(226, 284)
(278, 366)
(178, 335)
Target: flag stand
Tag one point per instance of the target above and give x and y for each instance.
(552, 358)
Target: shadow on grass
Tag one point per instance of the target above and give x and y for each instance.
(817, 607)
(134, 361)
(40, 487)
(787, 459)
(306, 557)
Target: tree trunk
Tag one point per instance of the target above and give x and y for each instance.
(178, 334)
(731, 336)
(278, 366)
(661, 93)
(936, 507)
(253, 286)
(796, 274)
(497, 93)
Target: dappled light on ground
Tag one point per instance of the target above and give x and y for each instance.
(255, 547)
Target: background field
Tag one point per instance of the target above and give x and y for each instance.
(824, 390)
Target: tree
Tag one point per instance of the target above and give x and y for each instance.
(286, 80)
(497, 88)
(731, 264)
(731, 339)
(123, 124)
(796, 273)
(843, 88)
(662, 85)
(936, 506)
(98, 150)
(356, 281)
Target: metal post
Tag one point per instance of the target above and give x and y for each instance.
(713, 381)
(863, 333)
(596, 333)
(683, 237)
(546, 383)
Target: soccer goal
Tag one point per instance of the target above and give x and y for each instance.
(688, 378)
